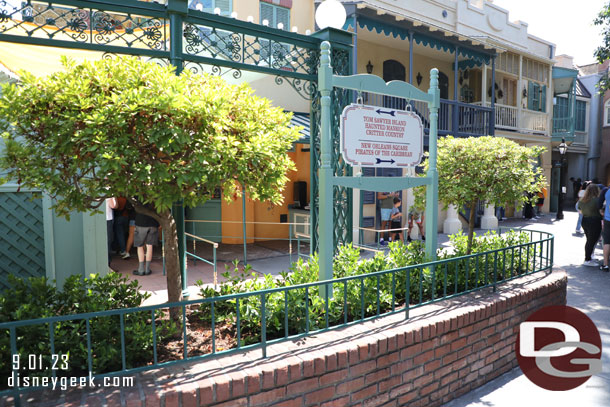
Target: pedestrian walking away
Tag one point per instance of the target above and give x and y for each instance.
(591, 221)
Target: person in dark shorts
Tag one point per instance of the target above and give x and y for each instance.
(396, 218)
(146, 234)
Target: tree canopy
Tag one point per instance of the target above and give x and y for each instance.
(125, 127)
(495, 170)
(602, 53)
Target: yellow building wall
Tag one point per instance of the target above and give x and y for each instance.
(264, 218)
(301, 13)
(377, 54)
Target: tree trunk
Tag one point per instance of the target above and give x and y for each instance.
(473, 208)
(172, 263)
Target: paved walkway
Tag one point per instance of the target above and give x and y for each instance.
(588, 291)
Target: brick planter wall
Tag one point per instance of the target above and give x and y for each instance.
(443, 351)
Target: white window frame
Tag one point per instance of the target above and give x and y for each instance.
(606, 115)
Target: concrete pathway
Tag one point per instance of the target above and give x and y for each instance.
(588, 291)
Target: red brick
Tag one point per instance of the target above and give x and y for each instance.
(331, 362)
(189, 395)
(281, 376)
(267, 396)
(423, 380)
(412, 374)
(242, 402)
(303, 386)
(362, 368)
(341, 359)
(401, 367)
(268, 382)
(460, 343)
(449, 337)
(294, 371)
(428, 389)
(389, 383)
(319, 396)
(298, 402)
(363, 352)
(253, 384)
(377, 400)
(442, 351)
(410, 351)
(340, 402)
(406, 398)
(424, 357)
(333, 377)
(319, 366)
(171, 400)
(222, 389)
(308, 368)
(397, 391)
(350, 386)
(432, 366)
(153, 399)
(449, 378)
(388, 359)
(364, 393)
(377, 376)
(238, 383)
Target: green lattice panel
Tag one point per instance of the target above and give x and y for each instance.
(21, 236)
(342, 197)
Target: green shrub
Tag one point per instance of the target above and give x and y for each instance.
(36, 298)
(358, 298)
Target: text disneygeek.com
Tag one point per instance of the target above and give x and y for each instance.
(64, 383)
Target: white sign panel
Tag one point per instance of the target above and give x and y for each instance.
(374, 136)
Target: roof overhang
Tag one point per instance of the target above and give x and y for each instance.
(381, 14)
(563, 79)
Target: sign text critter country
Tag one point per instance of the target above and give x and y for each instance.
(374, 136)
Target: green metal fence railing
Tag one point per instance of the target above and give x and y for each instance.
(289, 312)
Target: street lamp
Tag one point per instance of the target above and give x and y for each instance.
(331, 13)
(563, 148)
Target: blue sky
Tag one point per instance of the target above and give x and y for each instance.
(566, 23)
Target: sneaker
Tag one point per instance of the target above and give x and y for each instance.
(111, 270)
(578, 231)
(591, 263)
(125, 255)
(138, 273)
(423, 238)
(604, 268)
(409, 239)
(382, 242)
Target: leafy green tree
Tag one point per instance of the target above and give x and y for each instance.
(135, 129)
(495, 170)
(602, 53)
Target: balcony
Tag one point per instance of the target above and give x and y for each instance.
(454, 118)
(522, 120)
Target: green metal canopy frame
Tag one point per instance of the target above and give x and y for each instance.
(371, 83)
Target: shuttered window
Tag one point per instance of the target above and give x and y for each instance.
(275, 15)
(208, 6)
(581, 116)
(536, 97)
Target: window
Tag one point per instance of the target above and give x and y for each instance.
(534, 70)
(581, 116)
(607, 113)
(561, 108)
(536, 97)
(209, 5)
(275, 53)
(275, 15)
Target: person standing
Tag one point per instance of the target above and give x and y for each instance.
(396, 218)
(581, 194)
(591, 221)
(110, 205)
(604, 203)
(386, 203)
(146, 235)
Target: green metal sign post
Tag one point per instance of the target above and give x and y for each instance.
(371, 83)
